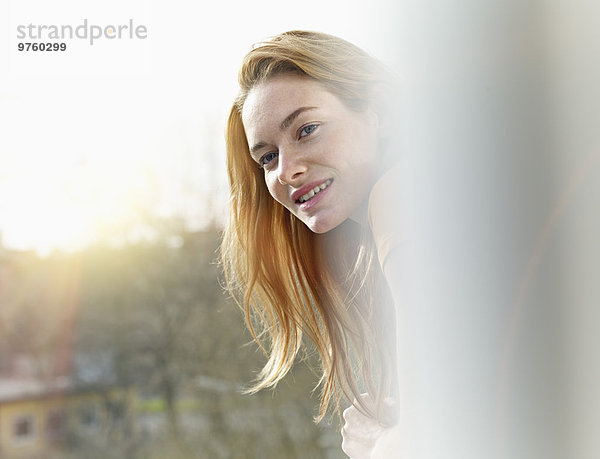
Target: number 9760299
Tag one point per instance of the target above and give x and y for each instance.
(42, 46)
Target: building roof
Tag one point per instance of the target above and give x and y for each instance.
(16, 389)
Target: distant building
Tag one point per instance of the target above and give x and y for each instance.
(36, 417)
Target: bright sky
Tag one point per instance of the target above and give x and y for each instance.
(95, 136)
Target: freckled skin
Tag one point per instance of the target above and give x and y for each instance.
(327, 141)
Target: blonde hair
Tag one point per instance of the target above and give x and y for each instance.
(277, 265)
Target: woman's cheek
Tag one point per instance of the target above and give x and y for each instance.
(276, 190)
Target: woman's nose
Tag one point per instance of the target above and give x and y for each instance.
(291, 168)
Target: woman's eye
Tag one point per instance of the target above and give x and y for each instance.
(267, 159)
(307, 130)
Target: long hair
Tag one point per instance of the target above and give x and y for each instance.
(285, 283)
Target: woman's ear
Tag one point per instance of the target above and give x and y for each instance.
(381, 123)
(385, 135)
(373, 117)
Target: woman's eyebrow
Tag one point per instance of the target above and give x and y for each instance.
(292, 116)
(257, 147)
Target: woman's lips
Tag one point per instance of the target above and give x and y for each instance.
(308, 192)
(312, 197)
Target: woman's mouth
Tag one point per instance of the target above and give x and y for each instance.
(312, 193)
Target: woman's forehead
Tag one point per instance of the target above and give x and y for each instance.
(272, 100)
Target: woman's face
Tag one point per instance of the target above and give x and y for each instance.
(319, 157)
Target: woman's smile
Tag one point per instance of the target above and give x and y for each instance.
(314, 196)
(307, 192)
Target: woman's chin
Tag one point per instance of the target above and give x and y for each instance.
(320, 225)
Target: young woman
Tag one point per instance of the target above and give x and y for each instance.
(308, 143)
